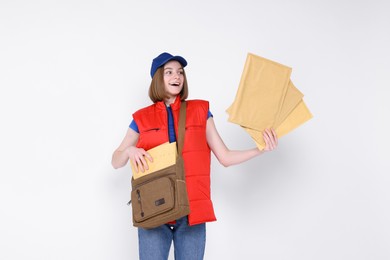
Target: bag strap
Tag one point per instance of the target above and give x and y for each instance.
(182, 127)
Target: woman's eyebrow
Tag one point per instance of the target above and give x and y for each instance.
(168, 68)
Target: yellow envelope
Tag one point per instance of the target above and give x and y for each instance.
(163, 156)
(261, 93)
(267, 98)
(292, 98)
(297, 117)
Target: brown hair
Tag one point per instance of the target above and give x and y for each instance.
(157, 89)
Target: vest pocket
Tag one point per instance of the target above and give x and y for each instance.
(153, 129)
(151, 137)
(152, 198)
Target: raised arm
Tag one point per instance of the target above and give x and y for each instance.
(230, 157)
(128, 151)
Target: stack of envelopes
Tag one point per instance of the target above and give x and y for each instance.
(164, 155)
(266, 98)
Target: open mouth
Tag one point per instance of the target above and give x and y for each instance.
(174, 84)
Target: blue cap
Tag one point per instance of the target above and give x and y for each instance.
(163, 58)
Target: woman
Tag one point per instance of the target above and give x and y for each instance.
(156, 124)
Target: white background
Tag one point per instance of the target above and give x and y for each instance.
(73, 72)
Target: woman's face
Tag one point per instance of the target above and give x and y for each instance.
(173, 78)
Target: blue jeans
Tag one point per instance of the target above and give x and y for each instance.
(189, 241)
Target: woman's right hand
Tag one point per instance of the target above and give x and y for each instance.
(138, 158)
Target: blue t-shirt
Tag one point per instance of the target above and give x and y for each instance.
(171, 128)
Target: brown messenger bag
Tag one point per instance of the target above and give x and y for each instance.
(161, 196)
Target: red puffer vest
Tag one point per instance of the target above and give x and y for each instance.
(152, 122)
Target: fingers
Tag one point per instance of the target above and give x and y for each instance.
(139, 159)
(141, 163)
(267, 139)
(270, 138)
(275, 137)
(148, 156)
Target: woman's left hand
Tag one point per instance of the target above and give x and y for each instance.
(271, 139)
